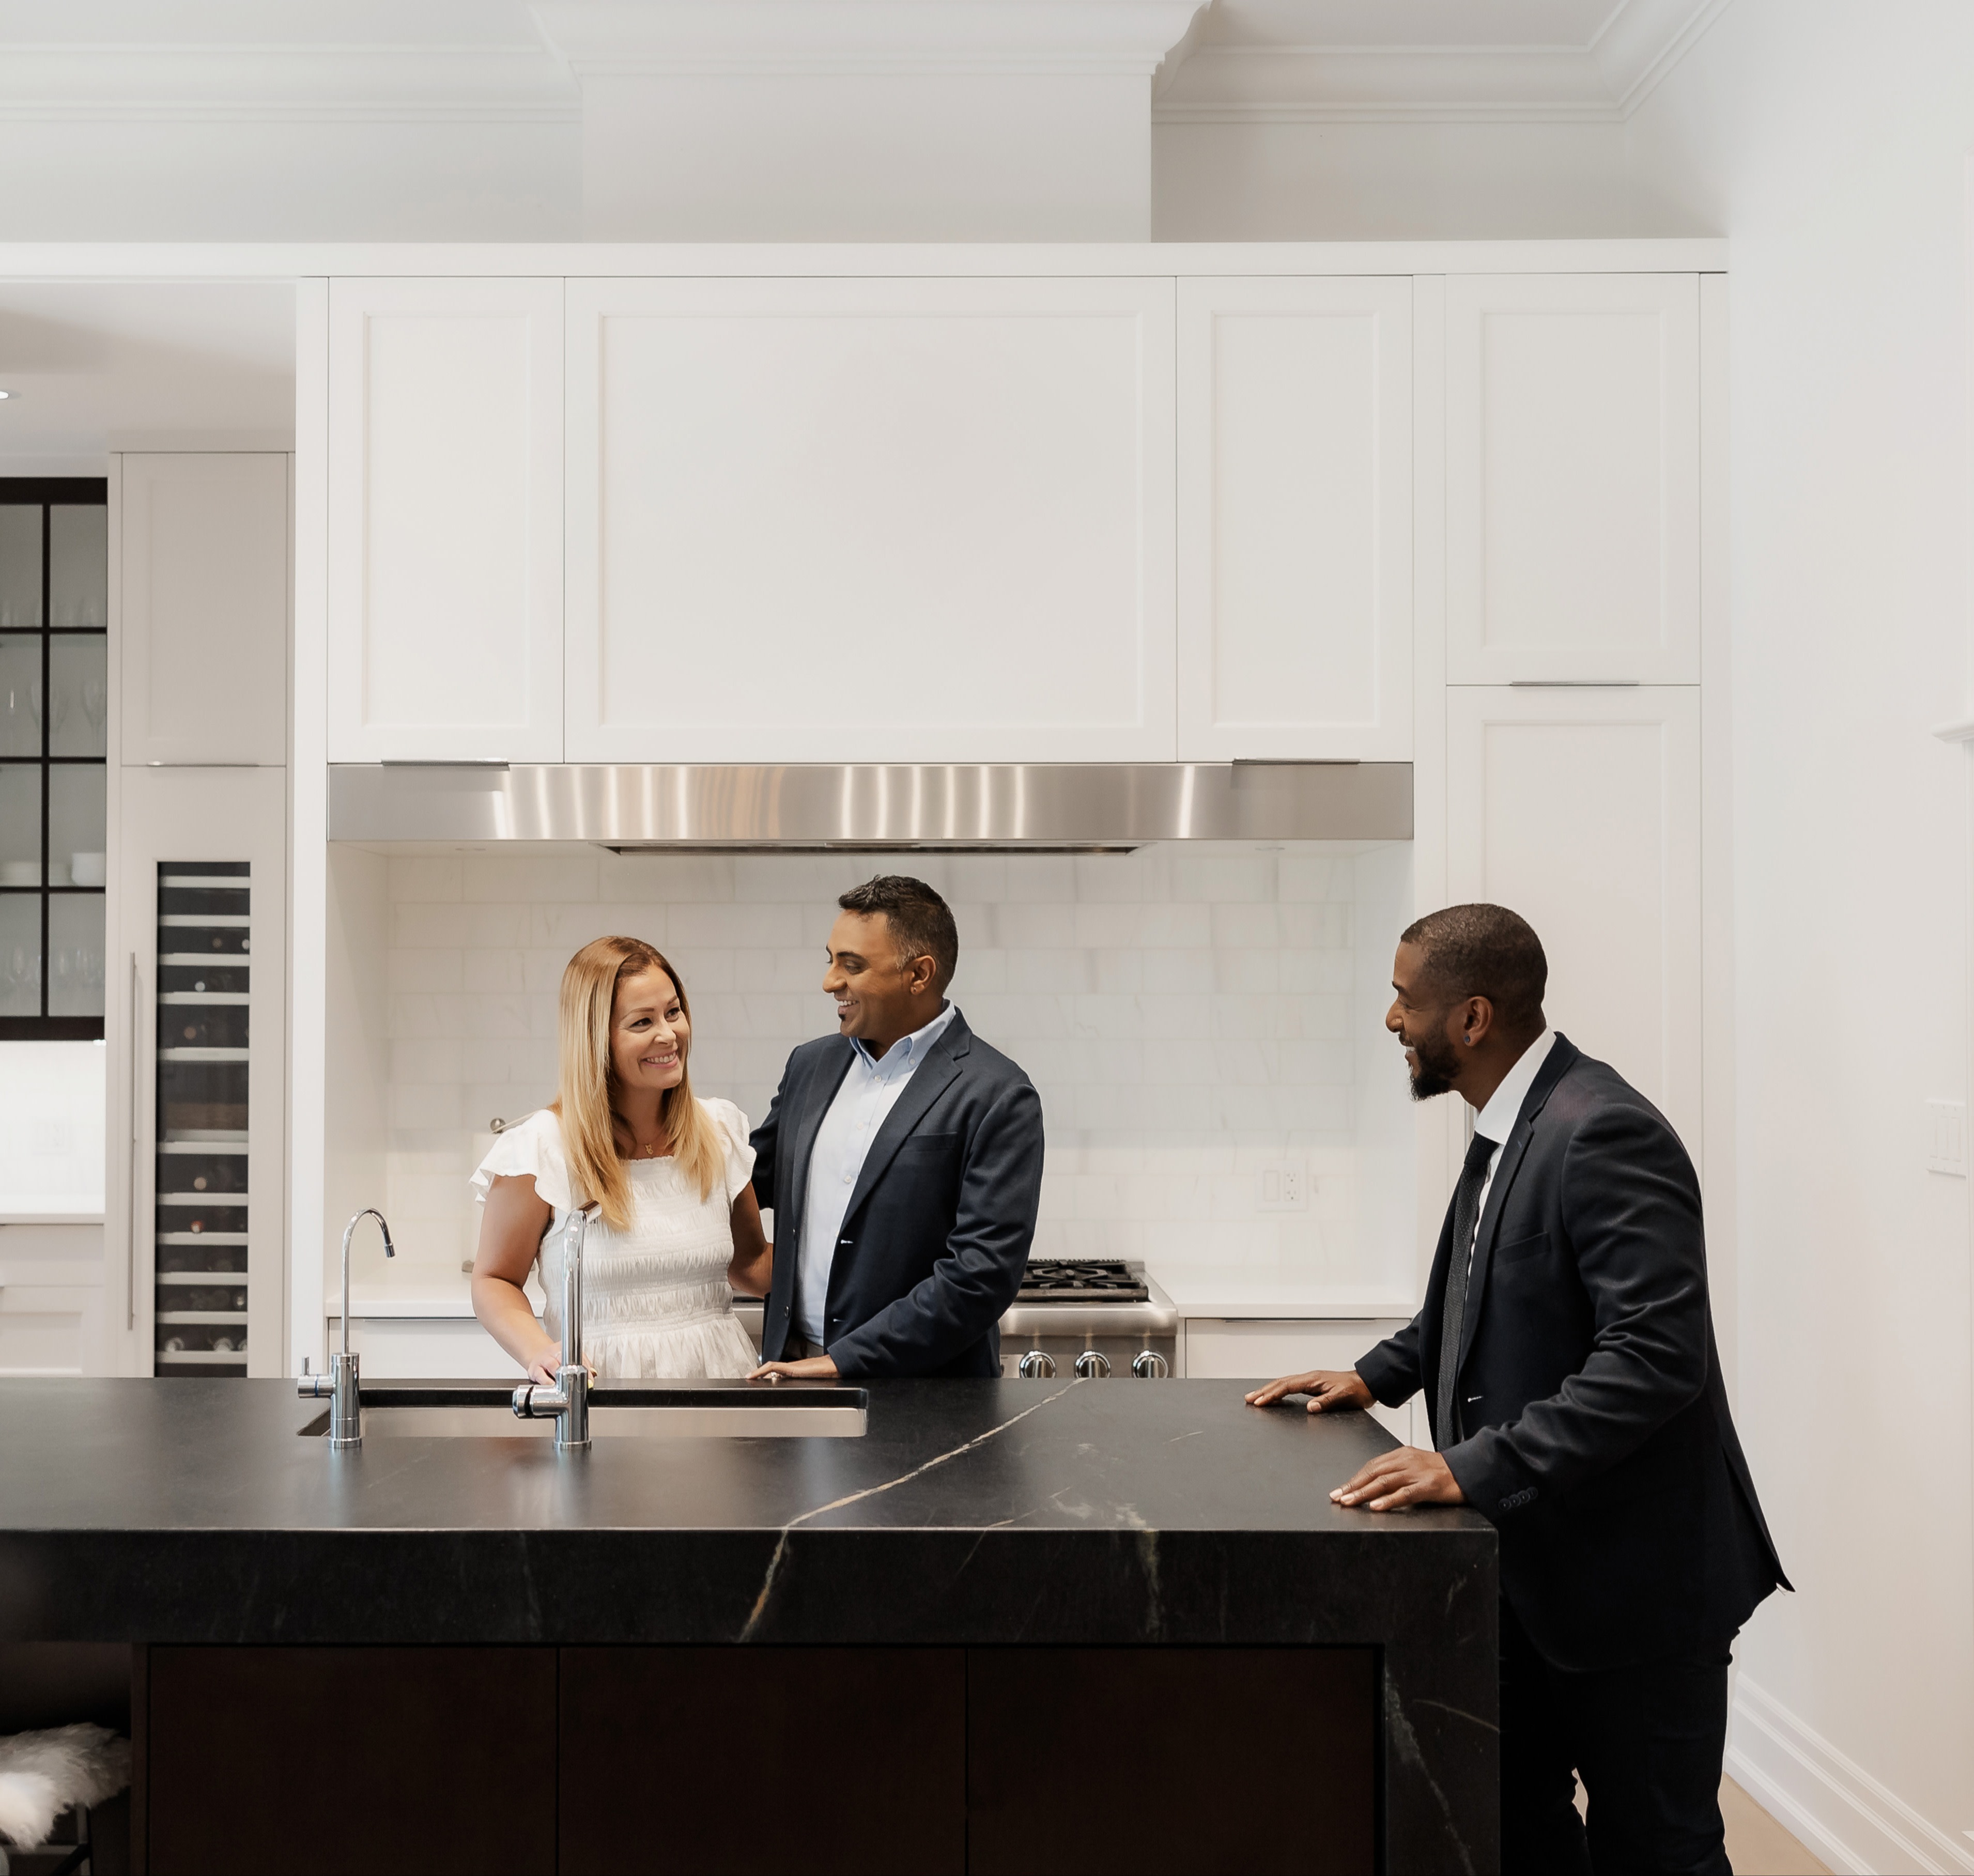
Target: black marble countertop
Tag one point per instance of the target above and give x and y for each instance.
(983, 1510)
(972, 1513)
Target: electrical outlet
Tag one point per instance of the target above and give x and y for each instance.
(1285, 1186)
(1946, 1136)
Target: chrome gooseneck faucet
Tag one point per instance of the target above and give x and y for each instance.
(568, 1401)
(345, 1412)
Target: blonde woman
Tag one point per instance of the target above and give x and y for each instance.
(678, 1220)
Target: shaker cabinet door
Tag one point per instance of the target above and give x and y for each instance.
(879, 519)
(1580, 810)
(1295, 528)
(1572, 478)
(203, 591)
(445, 520)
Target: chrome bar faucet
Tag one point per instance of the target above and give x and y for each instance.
(345, 1412)
(568, 1401)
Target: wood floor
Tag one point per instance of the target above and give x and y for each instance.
(1757, 1845)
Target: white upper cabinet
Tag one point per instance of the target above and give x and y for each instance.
(902, 519)
(202, 616)
(1295, 533)
(445, 571)
(1572, 478)
(1580, 810)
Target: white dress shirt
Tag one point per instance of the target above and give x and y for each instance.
(869, 1093)
(1496, 1119)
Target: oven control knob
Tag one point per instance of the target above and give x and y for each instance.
(1148, 1365)
(1092, 1365)
(1035, 1366)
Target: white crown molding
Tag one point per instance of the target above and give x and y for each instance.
(369, 83)
(1643, 40)
(1603, 82)
(764, 37)
(1327, 83)
(1848, 1818)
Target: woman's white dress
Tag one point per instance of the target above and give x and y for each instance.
(655, 1303)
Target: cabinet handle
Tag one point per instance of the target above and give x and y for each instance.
(135, 1028)
(1574, 683)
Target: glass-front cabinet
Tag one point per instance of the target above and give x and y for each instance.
(54, 706)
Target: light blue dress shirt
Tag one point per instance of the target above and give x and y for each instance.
(870, 1091)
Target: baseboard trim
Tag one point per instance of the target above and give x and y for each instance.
(1852, 1822)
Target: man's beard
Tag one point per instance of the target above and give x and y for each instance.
(1438, 1063)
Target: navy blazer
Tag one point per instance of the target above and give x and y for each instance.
(940, 1219)
(1596, 1430)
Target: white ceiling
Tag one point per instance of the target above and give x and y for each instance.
(91, 365)
(499, 60)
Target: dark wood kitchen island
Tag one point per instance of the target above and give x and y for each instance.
(1016, 1625)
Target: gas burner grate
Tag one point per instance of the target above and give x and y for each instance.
(1075, 1280)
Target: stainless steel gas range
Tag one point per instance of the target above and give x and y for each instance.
(1074, 1316)
(1091, 1319)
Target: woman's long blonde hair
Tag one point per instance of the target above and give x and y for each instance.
(583, 1099)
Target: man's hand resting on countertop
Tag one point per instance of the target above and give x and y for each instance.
(1396, 1480)
(1390, 1482)
(1328, 1390)
(810, 1368)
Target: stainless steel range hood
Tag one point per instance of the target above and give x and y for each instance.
(819, 806)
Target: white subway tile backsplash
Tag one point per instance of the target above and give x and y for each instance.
(409, 969)
(1187, 1015)
(499, 879)
(413, 878)
(494, 970)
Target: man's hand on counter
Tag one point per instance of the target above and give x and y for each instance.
(810, 1368)
(1395, 1480)
(1328, 1390)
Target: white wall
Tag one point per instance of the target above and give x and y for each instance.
(1829, 140)
(1187, 1014)
(1289, 180)
(253, 177)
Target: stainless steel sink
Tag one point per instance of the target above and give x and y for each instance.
(708, 1410)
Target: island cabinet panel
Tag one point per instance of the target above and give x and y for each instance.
(445, 568)
(330, 1759)
(1295, 528)
(851, 1760)
(203, 594)
(1573, 478)
(902, 520)
(1172, 1759)
(1580, 808)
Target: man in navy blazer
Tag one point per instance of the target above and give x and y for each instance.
(903, 1159)
(1565, 1352)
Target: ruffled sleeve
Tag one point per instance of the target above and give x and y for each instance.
(737, 1168)
(532, 1148)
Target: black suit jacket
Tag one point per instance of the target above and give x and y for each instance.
(1596, 1433)
(940, 1219)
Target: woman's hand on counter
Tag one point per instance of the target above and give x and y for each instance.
(1406, 1476)
(1328, 1389)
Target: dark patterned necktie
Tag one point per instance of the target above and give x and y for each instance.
(1459, 1265)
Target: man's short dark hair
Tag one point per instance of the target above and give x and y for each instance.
(1484, 950)
(921, 922)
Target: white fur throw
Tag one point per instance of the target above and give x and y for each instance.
(42, 1774)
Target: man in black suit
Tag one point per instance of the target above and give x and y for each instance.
(1566, 1352)
(903, 1158)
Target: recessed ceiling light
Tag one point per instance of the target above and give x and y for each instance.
(6, 393)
